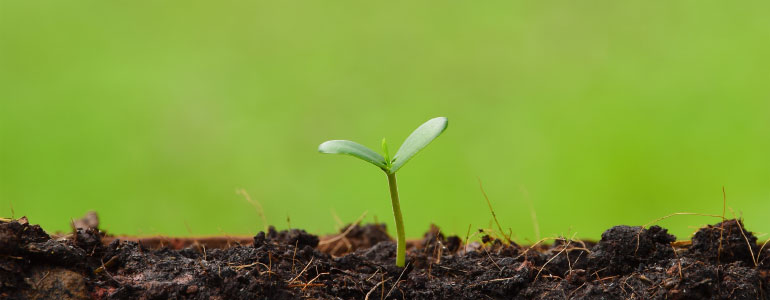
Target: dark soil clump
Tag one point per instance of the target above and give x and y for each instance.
(725, 242)
(723, 261)
(624, 249)
(352, 238)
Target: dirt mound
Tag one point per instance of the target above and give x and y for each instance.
(624, 249)
(628, 263)
(725, 242)
(296, 237)
(353, 237)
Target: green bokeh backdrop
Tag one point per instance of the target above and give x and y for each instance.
(594, 113)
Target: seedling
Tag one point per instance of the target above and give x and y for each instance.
(421, 137)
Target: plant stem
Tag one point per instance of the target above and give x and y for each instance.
(401, 242)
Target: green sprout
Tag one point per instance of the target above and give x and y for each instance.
(421, 137)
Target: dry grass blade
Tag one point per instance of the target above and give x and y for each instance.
(337, 221)
(743, 233)
(304, 285)
(502, 232)
(554, 257)
(104, 269)
(309, 283)
(37, 284)
(440, 247)
(535, 245)
(397, 280)
(104, 266)
(241, 267)
(467, 235)
(303, 270)
(492, 260)
(348, 230)
(372, 290)
(375, 273)
(641, 229)
(532, 212)
(257, 206)
(759, 253)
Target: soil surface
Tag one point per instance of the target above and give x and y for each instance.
(722, 261)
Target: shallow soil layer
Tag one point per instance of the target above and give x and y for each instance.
(722, 261)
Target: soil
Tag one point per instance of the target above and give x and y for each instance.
(722, 261)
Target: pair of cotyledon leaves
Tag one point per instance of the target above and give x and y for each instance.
(421, 137)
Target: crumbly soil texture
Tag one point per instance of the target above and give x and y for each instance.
(721, 261)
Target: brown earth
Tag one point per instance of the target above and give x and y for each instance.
(723, 261)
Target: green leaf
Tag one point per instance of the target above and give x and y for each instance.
(353, 149)
(385, 150)
(421, 137)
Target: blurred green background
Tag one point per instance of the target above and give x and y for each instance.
(594, 114)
